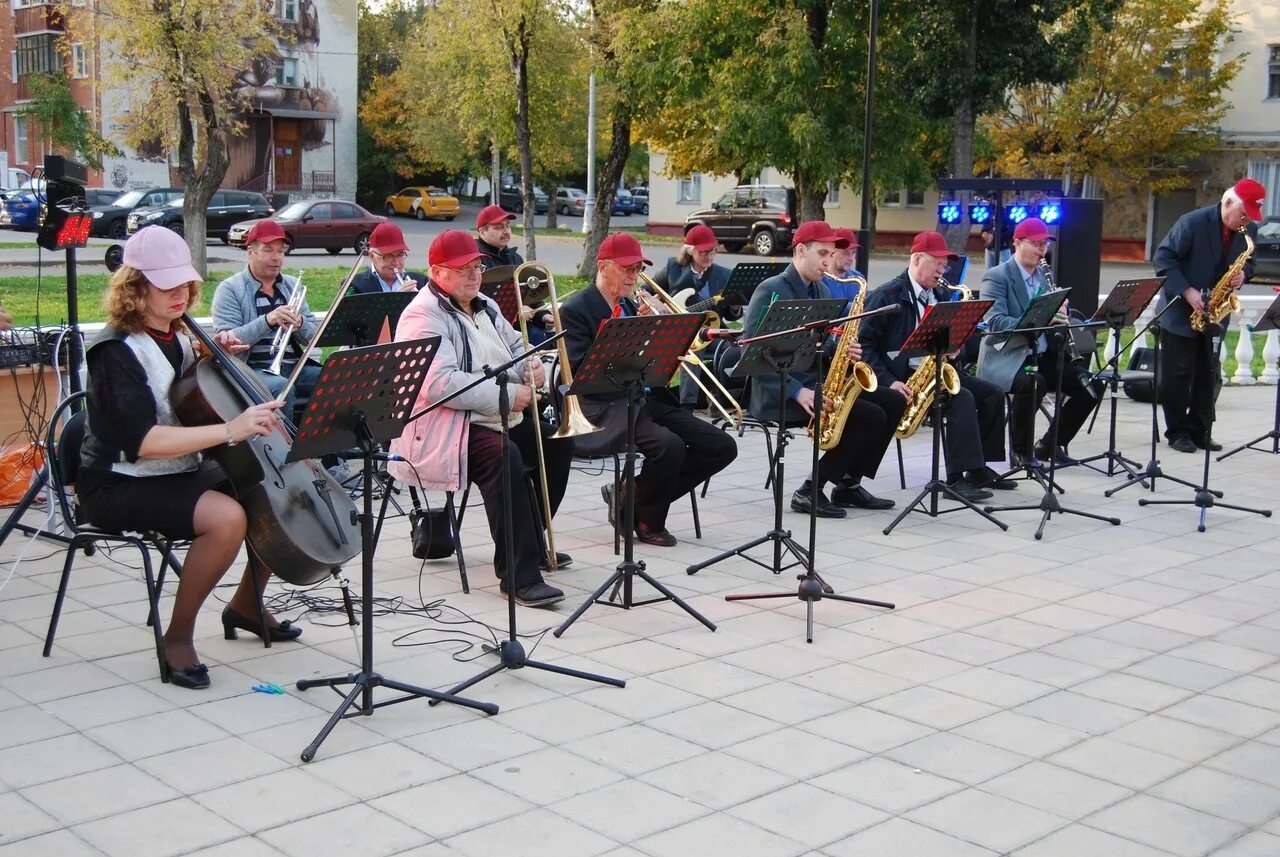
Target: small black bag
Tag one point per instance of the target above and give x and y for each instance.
(432, 531)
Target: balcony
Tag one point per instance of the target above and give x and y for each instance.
(36, 19)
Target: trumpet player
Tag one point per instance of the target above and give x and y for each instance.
(1197, 252)
(680, 450)
(462, 441)
(1029, 372)
(875, 414)
(975, 414)
(388, 255)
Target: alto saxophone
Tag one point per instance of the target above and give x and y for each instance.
(922, 382)
(846, 379)
(1223, 299)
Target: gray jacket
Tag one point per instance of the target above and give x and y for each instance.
(234, 310)
(1006, 285)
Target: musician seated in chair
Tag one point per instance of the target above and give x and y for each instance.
(695, 268)
(493, 237)
(1030, 372)
(461, 441)
(141, 470)
(975, 414)
(843, 269)
(680, 450)
(388, 254)
(873, 417)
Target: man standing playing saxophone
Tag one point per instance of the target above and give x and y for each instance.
(871, 422)
(1194, 255)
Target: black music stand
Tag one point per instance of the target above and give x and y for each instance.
(358, 319)
(780, 344)
(1270, 321)
(942, 333)
(1025, 334)
(1060, 337)
(812, 588)
(744, 277)
(362, 397)
(631, 354)
(1120, 310)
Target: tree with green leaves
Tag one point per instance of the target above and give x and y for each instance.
(1148, 99)
(178, 64)
(63, 123)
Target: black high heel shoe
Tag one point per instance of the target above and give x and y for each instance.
(194, 677)
(231, 620)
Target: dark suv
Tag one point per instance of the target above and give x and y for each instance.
(227, 207)
(109, 220)
(511, 197)
(760, 215)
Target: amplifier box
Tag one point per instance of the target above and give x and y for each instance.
(12, 356)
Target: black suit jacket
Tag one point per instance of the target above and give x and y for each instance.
(676, 277)
(883, 334)
(788, 285)
(1191, 256)
(581, 316)
(368, 282)
(492, 257)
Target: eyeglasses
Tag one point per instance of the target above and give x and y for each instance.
(398, 257)
(472, 270)
(634, 270)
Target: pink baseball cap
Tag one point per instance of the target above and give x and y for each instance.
(818, 230)
(162, 256)
(493, 214)
(453, 248)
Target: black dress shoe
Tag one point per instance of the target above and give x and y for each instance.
(1214, 446)
(563, 560)
(988, 478)
(194, 677)
(540, 594)
(968, 490)
(657, 537)
(1183, 444)
(802, 501)
(231, 620)
(1058, 456)
(606, 491)
(859, 497)
(1018, 461)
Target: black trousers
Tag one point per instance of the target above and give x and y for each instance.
(680, 452)
(1029, 389)
(1187, 369)
(975, 426)
(863, 442)
(485, 449)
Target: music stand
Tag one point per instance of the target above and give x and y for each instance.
(358, 319)
(1121, 309)
(780, 344)
(743, 279)
(499, 283)
(631, 354)
(941, 333)
(363, 397)
(1270, 321)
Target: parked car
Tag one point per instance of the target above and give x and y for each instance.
(332, 224)
(1266, 254)
(623, 202)
(100, 196)
(511, 197)
(761, 215)
(640, 195)
(226, 208)
(23, 210)
(422, 202)
(571, 200)
(109, 220)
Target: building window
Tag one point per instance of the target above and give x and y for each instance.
(1273, 72)
(22, 4)
(833, 193)
(37, 55)
(915, 199)
(287, 10)
(20, 152)
(79, 61)
(689, 190)
(892, 199)
(287, 72)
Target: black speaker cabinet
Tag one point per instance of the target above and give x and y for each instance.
(1078, 254)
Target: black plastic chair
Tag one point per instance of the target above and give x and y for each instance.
(62, 449)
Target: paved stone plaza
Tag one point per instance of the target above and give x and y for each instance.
(1108, 691)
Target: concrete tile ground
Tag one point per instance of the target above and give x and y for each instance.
(1107, 690)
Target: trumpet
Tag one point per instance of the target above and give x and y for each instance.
(280, 343)
(663, 304)
(338, 297)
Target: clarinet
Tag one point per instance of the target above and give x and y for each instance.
(1047, 272)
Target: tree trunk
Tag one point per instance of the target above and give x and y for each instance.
(964, 120)
(495, 172)
(552, 214)
(607, 185)
(811, 196)
(200, 185)
(524, 145)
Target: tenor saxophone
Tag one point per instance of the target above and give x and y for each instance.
(923, 383)
(1223, 299)
(846, 379)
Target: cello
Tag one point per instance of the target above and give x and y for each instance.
(302, 524)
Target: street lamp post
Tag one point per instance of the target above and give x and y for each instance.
(864, 233)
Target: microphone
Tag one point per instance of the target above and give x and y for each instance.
(721, 333)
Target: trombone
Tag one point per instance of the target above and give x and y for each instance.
(280, 343)
(664, 304)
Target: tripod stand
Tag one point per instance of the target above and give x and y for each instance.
(342, 420)
(812, 588)
(1270, 321)
(1049, 503)
(633, 353)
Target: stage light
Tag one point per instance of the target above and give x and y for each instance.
(1016, 212)
(1050, 212)
(980, 213)
(950, 212)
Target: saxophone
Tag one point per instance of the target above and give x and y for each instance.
(923, 384)
(846, 380)
(1223, 299)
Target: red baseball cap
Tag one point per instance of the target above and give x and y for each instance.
(701, 237)
(621, 248)
(848, 235)
(265, 231)
(387, 238)
(1251, 193)
(933, 244)
(492, 214)
(453, 248)
(818, 230)
(1031, 229)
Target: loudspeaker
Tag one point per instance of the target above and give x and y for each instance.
(1078, 254)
